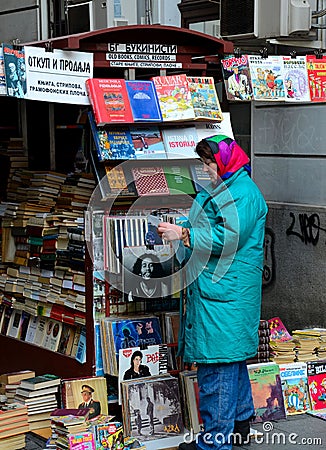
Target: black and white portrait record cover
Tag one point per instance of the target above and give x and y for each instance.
(151, 407)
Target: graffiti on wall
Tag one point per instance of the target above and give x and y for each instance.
(269, 258)
(306, 227)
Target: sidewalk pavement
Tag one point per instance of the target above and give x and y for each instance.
(301, 431)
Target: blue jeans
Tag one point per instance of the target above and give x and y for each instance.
(224, 396)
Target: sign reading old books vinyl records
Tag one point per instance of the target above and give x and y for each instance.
(58, 76)
(143, 55)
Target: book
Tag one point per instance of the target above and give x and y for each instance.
(204, 98)
(147, 142)
(109, 100)
(237, 79)
(14, 323)
(267, 77)
(40, 382)
(266, 391)
(117, 182)
(52, 337)
(143, 101)
(12, 410)
(316, 77)
(316, 371)
(81, 441)
(150, 181)
(294, 387)
(15, 377)
(277, 330)
(296, 79)
(101, 140)
(179, 179)
(174, 97)
(15, 70)
(180, 142)
(208, 129)
(27, 393)
(108, 435)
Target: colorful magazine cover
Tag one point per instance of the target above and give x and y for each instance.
(295, 387)
(204, 98)
(266, 391)
(237, 80)
(278, 331)
(317, 384)
(316, 77)
(296, 79)
(267, 77)
(15, 70)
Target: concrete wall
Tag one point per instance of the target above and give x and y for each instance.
(288, 144)
(295, 265)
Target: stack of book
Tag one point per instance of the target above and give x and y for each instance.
(40, 396)
(311, 343)
(282, 344)
(263, 350)
(10, 382)
(68, 423)
(13, 426)
(75, 194)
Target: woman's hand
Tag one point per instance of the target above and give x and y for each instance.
(169, 231)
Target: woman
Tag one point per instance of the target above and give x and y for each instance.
(137, 369)
(223, 239)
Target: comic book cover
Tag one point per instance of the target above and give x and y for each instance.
(266, 391)
(296, 79)
(267, 77)
(108, 435)
(294, 387)
(174, 97)
(237, 79)
(278, 331)
(15, 70)
(205, 99)
(316, 77)
(317, 384)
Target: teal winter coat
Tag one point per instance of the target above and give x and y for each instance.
(224, 273)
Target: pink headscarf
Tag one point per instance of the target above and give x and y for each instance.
(228, 155)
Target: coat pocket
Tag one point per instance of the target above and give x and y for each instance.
(212, 287)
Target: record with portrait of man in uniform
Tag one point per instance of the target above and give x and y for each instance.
(90, 392)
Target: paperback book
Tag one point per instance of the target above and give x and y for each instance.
(147, 142)
(317, 384)
(204, 98)
(237, 79)
(143, 101)
(180, 142)
(150, 181)
(316, 77)
(179, 179)
(174, 97)
(296, 79)
(266, 391)
(294, 387)
(109, 100)
(15, 70)
(267, 77)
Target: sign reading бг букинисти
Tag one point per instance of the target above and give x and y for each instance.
(58, 76)
(143, 55)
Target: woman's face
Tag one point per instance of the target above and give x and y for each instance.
(147, 267)
(211, 168)
(137, 362)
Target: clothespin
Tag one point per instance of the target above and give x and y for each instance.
(237, 52)
(318, 53)
(293, 54)
(264, 52)
(48, 46)
(16, 44)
